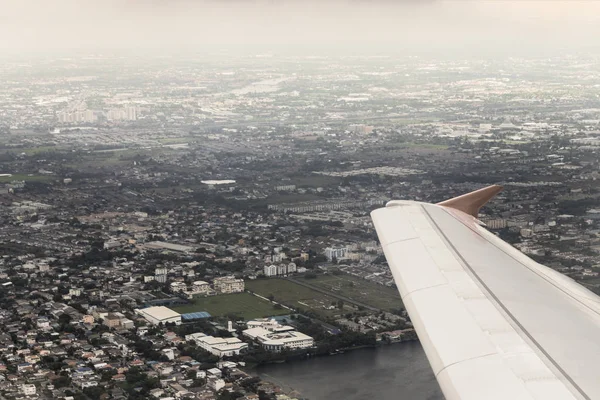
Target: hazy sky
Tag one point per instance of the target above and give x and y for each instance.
(362, 25)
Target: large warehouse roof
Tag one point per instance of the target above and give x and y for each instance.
(160, 312)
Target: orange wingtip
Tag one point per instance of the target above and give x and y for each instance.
(471, 203)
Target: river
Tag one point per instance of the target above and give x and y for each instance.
(395, 372)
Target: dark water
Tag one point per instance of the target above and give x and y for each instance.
(398, 372)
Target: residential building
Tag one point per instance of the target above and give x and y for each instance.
(216, 384)
(285, 188)
(270, 270)
(28, 389)
(178, 286)
(228, 284)
(291, 268)
(336, 253)
(282, 269)
(200, 287)
(127, 323)
(112, 321)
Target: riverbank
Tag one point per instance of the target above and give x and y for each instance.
(308, 355)
(398, 371)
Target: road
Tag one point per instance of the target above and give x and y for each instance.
(358, 118)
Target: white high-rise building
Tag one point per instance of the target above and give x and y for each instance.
(282, 269)
(336, 253)
(270, 270)
(67, 117)
(278, 257)
(291, 268)
(122, 114)
(131, 113)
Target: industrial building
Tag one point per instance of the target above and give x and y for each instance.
(158, 314)
(275, 337)
(216, 345)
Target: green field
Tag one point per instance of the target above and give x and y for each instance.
(175, 140)
(293, 295)
(425, 146)
(243, 305)
(315, 181)
(27, 178)
(361, 290)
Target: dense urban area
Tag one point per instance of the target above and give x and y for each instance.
(170, 224)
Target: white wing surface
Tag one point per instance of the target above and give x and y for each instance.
(494, 323)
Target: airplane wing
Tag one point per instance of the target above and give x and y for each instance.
(494, 324)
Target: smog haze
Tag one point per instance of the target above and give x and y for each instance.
(444, 26)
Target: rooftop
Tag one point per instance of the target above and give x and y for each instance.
(159, 312)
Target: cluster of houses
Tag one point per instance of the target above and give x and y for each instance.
(220, 285)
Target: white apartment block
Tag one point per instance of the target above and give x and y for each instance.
(285, 187)
(270, 270)
(178, 286)
(291, 268)
(228, 284)
(280, 270)
(67, 117)
(336, 253)
(28, 389)
(122, 114)
(200, 287)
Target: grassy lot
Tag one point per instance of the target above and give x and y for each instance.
(359, 289)
(293, 295)
(27, 178)
(32, 150)
(42, 149)
(175, 140)
(427, 146)
(292, 198)
(315, 181)
(285, 199)
(113, 158)
(242, 305)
